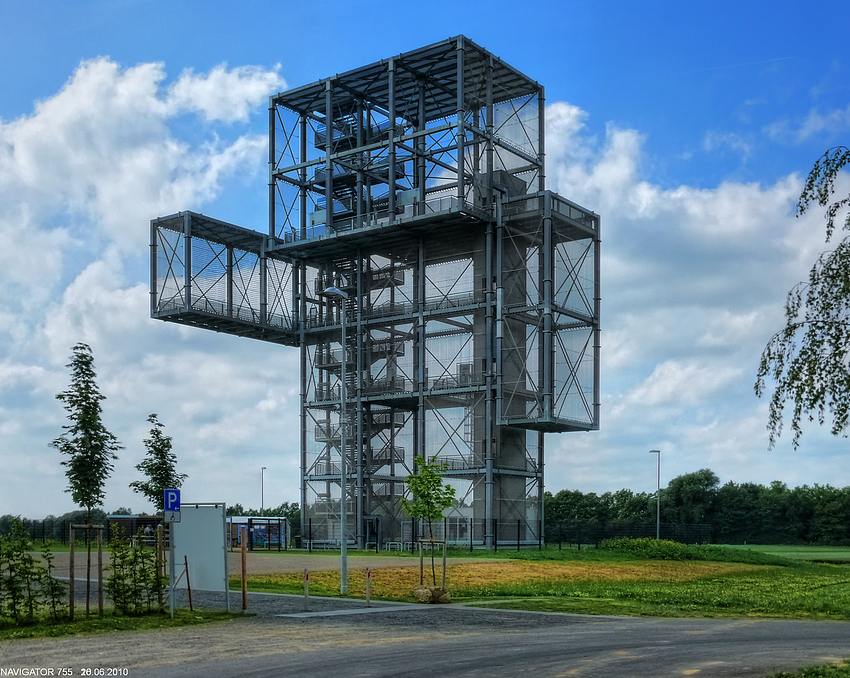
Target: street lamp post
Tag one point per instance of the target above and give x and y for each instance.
(262, 488)
(343, 472)
(658, 497)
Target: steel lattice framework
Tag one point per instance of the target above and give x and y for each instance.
(416, 186)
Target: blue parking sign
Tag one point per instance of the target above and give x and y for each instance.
(172, 500)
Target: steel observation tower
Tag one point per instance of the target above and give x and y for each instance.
(444, 303)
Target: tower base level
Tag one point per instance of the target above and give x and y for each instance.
(446, 305)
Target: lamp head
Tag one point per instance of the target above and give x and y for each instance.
(334, 292)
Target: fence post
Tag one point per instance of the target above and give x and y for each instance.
(160, 557)
(71, 594)
(100, 571)
(518, 526)
(244, 559)
(368, 587)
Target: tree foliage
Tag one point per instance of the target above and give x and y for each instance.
(808, 359)
(158, 466)
(87, 443)
(736, 512)
(430, 495)
(89, 447)
(690, 498)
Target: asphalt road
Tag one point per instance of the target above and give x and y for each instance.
(343, 639)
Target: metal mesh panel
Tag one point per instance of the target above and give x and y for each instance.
(574, 375)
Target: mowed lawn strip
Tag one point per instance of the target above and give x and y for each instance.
(820, 554)
(640, 587)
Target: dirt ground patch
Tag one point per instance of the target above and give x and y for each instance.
(462, 569)
(294, 561)
(268, 563)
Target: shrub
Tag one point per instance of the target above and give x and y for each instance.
(644, 547)
(136, 585)
(26, 586)
(661, 549)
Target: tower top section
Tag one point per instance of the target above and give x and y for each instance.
(457, 73)
(435, 131)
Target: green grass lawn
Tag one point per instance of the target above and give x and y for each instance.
(820, 554)
(627, 581)
(776, 584)
(806, 591)
(841, 670)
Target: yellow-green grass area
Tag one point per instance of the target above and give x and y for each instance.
(839, 670)
(818, 554)
(621, 587)
(109, 622)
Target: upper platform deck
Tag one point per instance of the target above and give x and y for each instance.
(449, 67)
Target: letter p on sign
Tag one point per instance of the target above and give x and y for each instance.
(172, 500)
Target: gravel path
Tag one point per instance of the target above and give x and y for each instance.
(276, 624)
(343, 638)
(273, 623)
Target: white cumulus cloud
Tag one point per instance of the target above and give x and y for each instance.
(225, 95)
(693, 284)
(81, 175)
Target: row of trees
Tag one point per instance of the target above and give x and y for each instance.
(90, 448)
(51, 528)
(736, 512)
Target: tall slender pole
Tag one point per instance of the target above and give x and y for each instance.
(343, 420)
(343, 513)
(658, 497)
(171, 573)
(262, 488)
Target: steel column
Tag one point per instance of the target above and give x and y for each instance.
(187, 261)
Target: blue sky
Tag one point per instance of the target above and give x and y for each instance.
(688, 126)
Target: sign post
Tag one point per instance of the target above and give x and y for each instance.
(171, 507)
